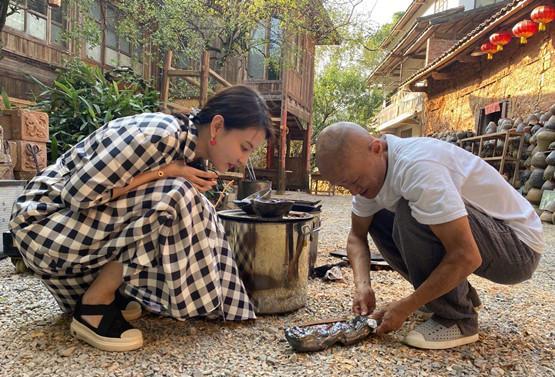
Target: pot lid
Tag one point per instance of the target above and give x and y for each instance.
(240, 216)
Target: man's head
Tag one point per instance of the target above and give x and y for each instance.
(347, 155)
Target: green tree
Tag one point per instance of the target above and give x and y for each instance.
(341, 89)
(342, 94)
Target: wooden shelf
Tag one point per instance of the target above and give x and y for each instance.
(504, 136)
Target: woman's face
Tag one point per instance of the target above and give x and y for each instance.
(233, 147)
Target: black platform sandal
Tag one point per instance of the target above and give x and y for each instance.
(130, 309)
(114, 333)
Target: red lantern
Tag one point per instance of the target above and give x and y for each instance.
(543, 14)
(525, 29)
(489, 48)
(500, 39)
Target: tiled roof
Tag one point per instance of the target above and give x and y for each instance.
(482, 28)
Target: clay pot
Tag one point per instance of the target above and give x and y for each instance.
(520, 127)
(547, 217)
(550, 158)
(533, 140)
(545, 117)
(528, 162)
(544, 138)
(551, 146)
(525, 175)
(527, 187)
(548, 185)
(549, 172)
(532, 120)
(550, 124)
(538, 160)
(534, 196)
(550, 206)
(535, 129)
(536, 178)
(491, 128)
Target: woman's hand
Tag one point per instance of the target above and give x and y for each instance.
(201, 180)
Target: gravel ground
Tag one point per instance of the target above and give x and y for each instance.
(517, 331)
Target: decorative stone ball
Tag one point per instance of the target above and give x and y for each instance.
(550, 124)
(550, 158)
(536, 178)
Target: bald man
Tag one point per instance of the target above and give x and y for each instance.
(437, 214)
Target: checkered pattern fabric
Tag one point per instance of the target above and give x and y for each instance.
(176, 258)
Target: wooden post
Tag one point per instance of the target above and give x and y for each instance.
(308, 155)
(282, 148)
(165, 90)
(204, 74)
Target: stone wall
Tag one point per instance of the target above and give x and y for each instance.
(522, 74)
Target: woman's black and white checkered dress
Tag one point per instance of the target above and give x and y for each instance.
(166, 234)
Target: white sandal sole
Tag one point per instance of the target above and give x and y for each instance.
(130, 340)
(415, 339)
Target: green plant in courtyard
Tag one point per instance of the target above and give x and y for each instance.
(81, 99)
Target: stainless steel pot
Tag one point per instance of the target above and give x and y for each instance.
(272, 257)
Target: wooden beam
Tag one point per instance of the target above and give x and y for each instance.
(204, 75)
(183, 72)
(441, 76)
(468, 59)
(219, 78)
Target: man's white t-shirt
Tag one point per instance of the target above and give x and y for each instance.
(438, 178)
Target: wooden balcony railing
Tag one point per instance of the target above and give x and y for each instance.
(405, 105)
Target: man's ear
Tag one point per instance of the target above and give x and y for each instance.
(375, 145)
(216, 125)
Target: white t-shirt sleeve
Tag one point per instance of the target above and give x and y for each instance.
(432, 193)
(364, 207)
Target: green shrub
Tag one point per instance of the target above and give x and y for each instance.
(81, 100)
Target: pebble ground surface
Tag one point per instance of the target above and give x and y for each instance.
(517, 330)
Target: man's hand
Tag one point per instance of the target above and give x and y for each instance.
(392, 316)
(201, 180)
(364, 300)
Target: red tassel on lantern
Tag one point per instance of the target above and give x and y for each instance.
(489, 48)
(543, 14)
(524, 30)
(500, 39)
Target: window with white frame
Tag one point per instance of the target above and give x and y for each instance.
(483, 3)
(440, 5)
(113, 50)
(37, 19)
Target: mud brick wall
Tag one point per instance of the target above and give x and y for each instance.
(522, 74)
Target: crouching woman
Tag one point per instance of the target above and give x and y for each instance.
(120, 220)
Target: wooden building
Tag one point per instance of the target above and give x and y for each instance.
(283, 73)
(427, 29)
(465, 90)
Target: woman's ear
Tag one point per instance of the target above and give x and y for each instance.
(216, 125)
